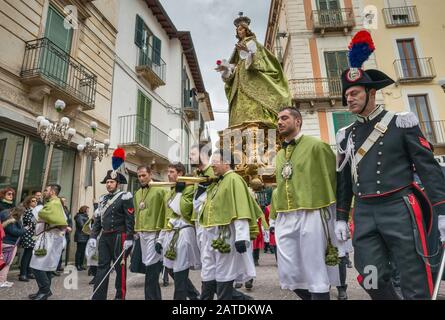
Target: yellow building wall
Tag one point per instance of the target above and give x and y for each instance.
(429, 37)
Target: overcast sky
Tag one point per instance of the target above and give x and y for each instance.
(211, 25)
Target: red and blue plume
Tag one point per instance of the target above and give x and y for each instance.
(118, 158)
(360, 48)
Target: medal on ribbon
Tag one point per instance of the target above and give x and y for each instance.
(286, 172)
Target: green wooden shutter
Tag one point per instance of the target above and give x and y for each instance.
(342, 119)
(156, 53)
(143, 120)
(139, 34)
(54, 59)
(56, 31)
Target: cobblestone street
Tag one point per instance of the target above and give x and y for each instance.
(266, 286)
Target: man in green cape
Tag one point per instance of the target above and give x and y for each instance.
(50, 231)
(230, 217)
(149, 203)
(178, 239)
(305, 210)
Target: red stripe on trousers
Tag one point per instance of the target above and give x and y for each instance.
(123, 268)
(418, 215)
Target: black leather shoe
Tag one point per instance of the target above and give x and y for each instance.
(91, 282)
(33, 296)
(31, 276)
(23, 278)
(40, 296)
(249, 284)
(56, 273)
(43, 296)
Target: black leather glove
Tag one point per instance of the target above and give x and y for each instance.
(180, 186)
(158, 248)
(272, 229)
(241, 246)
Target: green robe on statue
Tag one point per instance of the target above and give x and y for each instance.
(230, 200)
(258, 92)
(312, 184)
(152, 216)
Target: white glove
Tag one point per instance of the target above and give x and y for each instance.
(92, 243)
(128, 244)
(341, 230)
(442, 227)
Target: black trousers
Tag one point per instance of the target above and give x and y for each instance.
(184, 287)
(25, 270)
(384, 232)
(226, 291)
(110, 247)
(80, 253)
(43, 279)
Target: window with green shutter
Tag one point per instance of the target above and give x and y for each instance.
(186, 101)
(138, 35)
(156, 53)
(148, 43)
(342, 119)
(54, 60)
(143, 119)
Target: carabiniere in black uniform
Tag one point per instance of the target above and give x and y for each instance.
(116, 222)
(394, 220)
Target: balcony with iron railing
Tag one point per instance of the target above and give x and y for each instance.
(147, 139)
(45, 64)
(151, 67)
(401, 16)
(434, 131)
(315, 89)
(191, 108)
(414, 70)
(333, 20)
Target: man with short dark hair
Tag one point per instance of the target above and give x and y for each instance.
(177, 242)
(394, 220)
(229, 216)
(200, 160)
(114, 220)
(149, 203)
(305, 210)
(50, 231)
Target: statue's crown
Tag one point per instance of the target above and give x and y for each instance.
(241, 19)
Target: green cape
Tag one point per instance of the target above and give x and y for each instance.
(185, 205)
(52, 213)
(152, 217)
(256, 94)
(207, 172)
(313, 181)
(229, 200)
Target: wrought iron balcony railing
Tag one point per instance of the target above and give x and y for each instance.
(135, 130)
(151, 66)
(401, 16)
(315, 89)
(333, 20)
(410, 70)
(44, 63)
(434, 131)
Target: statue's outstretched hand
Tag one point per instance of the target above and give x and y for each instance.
(241, 47)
